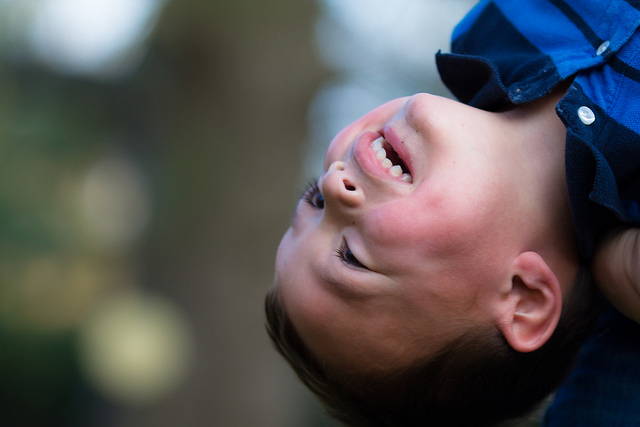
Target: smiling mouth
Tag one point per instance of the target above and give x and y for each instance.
(390, 160)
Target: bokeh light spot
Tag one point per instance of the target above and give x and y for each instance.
(135, 348)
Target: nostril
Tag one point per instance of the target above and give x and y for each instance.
(348, 186)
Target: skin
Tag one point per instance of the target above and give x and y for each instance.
(616, 267)
(482, 235)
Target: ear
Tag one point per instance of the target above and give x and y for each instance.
(533, 304)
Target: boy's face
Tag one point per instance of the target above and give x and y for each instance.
(383, 265)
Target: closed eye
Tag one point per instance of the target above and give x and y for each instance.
(347, 257)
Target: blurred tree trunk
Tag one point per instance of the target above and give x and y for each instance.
(225, 88)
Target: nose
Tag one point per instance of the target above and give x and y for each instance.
(341, 193)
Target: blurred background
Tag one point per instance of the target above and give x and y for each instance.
(151, 152)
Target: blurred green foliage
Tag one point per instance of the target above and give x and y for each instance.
(221, 84)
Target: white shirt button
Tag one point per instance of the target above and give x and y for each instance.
(586, 115)
(602, 48)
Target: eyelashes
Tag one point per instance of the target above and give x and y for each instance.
(312, 195)
(346, 256)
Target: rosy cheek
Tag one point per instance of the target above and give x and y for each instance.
(403, 228)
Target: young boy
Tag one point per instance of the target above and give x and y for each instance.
(436, 274)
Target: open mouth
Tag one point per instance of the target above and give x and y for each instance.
(390, 160)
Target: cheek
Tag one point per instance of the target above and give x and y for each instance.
(432, 228)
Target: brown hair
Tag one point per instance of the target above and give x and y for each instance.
(477, 379)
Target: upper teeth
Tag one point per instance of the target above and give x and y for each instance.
(394, 170)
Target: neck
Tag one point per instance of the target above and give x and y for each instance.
(540, 169)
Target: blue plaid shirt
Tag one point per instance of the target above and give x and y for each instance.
(509, 52)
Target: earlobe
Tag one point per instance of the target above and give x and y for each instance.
(533, 304)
